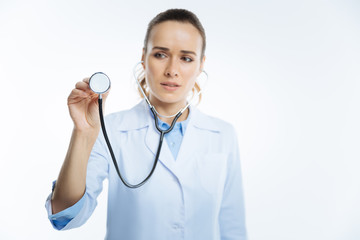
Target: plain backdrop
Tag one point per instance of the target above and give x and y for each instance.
(286, 74)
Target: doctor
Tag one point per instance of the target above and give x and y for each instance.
(196, 190)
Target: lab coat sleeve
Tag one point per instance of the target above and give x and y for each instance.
(61, 219)
(232, 212)
(97, 171)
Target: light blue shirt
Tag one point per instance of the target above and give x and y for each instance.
(198, 196)
(175, 136)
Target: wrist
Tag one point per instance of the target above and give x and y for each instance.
(86, 133)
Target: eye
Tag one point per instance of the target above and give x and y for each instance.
(159, 55)
(187, 59)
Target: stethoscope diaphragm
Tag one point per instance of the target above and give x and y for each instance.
(99, 83)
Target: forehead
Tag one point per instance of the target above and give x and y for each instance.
(175, 36)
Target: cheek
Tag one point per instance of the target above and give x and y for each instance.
(149, 74)
(152, 69)
(191, 75)
(190, 83)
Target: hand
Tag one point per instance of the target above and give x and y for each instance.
(83, 107)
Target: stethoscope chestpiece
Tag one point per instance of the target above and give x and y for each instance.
(99, 83)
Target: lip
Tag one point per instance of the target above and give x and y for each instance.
(170, 86)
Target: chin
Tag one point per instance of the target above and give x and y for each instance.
(170, 99)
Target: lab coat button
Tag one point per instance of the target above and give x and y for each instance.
(177, 226)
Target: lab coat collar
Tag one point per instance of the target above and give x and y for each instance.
(136, 118)
(139, 117)
(203, 121)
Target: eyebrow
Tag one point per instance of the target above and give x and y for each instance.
(167, 49)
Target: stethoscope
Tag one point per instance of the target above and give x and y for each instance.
(100, 83)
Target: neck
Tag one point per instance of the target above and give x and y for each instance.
(168, 109)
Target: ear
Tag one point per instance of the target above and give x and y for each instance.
(143, 58)
(202, 64)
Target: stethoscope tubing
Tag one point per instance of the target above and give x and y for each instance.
(162, 134)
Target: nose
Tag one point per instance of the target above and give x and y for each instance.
(172, 69)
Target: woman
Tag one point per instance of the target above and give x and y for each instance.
(196, 189)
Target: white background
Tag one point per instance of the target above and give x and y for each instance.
(285, 73)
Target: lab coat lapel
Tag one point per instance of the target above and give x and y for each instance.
(141, 117)
(188, 145)
(193, 138)
(152, 142)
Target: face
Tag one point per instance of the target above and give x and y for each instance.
(172, 62)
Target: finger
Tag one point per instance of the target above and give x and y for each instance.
(82, 85)
(105, 95)
(76, 93)
(79, 93)
(86, 80)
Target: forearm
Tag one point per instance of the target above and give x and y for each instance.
(70, 185)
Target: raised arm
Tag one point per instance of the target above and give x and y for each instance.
(83, 108)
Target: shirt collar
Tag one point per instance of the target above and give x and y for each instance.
(179, 126)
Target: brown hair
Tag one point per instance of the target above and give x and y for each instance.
(178, 15)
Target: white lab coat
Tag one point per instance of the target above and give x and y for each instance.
(198, 196)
